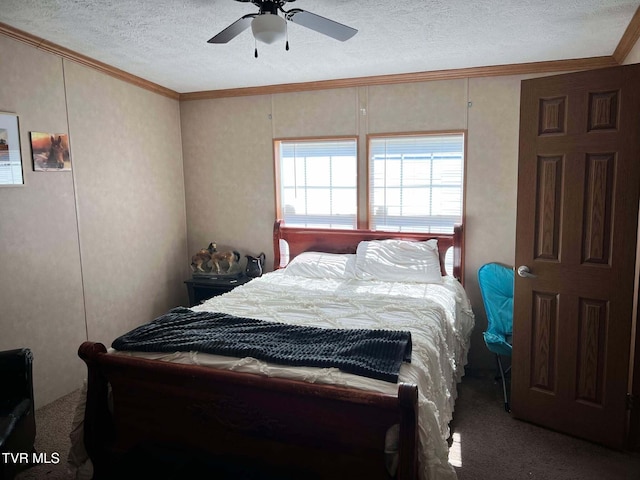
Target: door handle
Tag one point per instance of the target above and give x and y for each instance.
(524, 272)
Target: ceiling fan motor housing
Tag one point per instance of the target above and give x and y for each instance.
(269, 6)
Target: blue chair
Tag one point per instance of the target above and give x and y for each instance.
(496, 287)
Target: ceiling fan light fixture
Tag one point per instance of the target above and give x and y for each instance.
(269, 28)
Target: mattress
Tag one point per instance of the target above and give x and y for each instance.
(438, 315)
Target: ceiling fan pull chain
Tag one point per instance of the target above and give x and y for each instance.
(286, 31)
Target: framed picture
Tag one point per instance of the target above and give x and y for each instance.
(50, 152)
(10, 156)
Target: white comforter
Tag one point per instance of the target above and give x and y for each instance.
(439, 317)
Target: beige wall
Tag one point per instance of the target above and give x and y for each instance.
(634, 54)
(93, 252)
(228, 178)
(492, 177)
(232, 138)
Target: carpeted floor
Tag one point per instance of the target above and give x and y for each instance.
(53, 425)
(487, 443)
(490, 444)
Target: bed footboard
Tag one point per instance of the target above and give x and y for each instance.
(293, 429)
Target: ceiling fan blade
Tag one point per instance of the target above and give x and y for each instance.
(321, 24)
(233, 30)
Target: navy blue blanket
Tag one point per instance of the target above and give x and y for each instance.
(370, 353)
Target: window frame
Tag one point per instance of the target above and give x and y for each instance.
(327, 138)
(368, 183)
(363, 168)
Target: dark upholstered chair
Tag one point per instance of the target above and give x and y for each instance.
(17, 418)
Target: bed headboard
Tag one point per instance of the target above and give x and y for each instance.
(291, 241)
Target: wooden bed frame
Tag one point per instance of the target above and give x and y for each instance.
(282, 428)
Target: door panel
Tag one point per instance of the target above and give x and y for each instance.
(578, 191)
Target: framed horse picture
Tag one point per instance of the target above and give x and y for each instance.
(50, 152)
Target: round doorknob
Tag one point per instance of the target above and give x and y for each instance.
(524, 272)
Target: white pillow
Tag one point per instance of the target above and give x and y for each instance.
(323, 265)
(399, 261)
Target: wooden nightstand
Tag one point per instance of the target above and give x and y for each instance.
(201, 289)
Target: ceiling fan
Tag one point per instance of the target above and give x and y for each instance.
(268, 26)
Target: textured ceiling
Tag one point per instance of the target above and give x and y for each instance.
(165, 41)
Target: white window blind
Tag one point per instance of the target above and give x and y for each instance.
(318, 183)
(416, 182)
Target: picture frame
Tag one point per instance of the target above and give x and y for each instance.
(11, 172)
(50, 152)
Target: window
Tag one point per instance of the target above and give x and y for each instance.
(416, 182)
(317, 182)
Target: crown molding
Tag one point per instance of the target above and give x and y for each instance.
(625, 45)
(67, 54)
(490, 71)
(629, 38)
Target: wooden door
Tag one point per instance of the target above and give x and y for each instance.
(577, 218)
